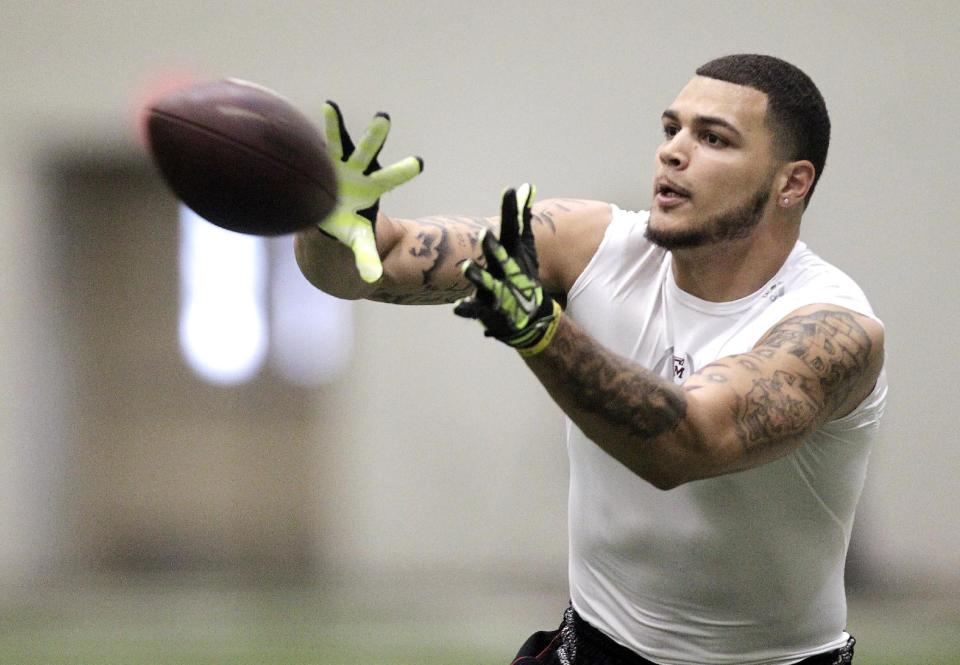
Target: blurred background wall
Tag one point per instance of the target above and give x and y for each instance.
(435, 453)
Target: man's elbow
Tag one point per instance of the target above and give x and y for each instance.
(694, 454)
(668, 470)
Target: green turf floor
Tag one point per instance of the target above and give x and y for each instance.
(203, 623)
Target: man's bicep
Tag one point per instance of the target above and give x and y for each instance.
(841, 349)
(567, 233)
(815, 365)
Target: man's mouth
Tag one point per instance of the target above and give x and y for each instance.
(668, 194)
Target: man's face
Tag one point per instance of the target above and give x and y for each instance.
(715, 167)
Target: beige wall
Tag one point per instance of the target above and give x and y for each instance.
(444, 451)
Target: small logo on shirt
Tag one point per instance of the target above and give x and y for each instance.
(775, 291)
(679, 368)
(682, 368)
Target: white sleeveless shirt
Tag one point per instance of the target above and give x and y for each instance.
(744, 568)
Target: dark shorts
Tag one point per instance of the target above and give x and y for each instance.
(576, 642)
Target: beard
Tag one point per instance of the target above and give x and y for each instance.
(732, 225)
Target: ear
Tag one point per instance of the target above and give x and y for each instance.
(796, 179)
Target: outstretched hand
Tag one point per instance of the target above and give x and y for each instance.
(361, 181)
(510, 300)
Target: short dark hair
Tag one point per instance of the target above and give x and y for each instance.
(796, 111)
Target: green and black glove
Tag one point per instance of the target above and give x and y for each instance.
(360, 183)
(510, 300)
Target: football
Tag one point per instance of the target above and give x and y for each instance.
(242, 157)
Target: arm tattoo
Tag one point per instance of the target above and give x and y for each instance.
(596, 381)
(834, 350)
(545, 216)
(772, 410)
(830, 343)
(768, 398)
(437, 245)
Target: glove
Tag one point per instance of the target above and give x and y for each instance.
(510, 300)
(360, 183)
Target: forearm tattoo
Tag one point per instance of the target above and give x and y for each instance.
(594, 380)
(437, 246)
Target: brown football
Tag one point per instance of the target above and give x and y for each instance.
(242, 157)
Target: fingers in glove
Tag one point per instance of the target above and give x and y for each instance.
(493, 321)
(364, 246)
(500, 264)
(509, 227)
(339, 144)
(396, 174)
(468, 308)
(490, 289)
(525, 196)
(528, 257)
(493, 253)
(481, 297)
(374, 164)
(370, 144)
(474, 273)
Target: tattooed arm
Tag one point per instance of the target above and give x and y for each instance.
(421, 257)
(815, 365)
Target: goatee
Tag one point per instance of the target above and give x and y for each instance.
(727, 226)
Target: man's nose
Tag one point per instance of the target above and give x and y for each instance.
(674, 153)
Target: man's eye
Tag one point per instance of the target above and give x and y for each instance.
(670, 131)
(714, 139)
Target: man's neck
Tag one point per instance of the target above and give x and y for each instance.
(732, 269)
